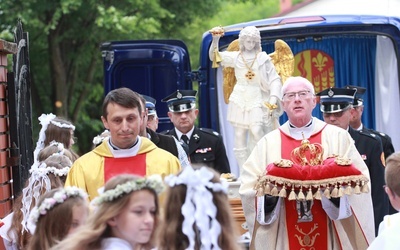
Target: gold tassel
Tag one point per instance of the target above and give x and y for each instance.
(216, 58)
(334, 193)
(274, 191)
(292, 195)
(317, 195)
(357, 188)
(309, 196)
(301, 196)
(365, 188)
(282, 193)
(340, 193)
(327, 194)
(348, 189)
(267, 188)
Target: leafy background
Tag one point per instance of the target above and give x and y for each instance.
(65, 38)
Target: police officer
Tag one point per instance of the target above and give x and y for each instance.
(356, 123)
(205, 146)
(152, 118)
(336, 104)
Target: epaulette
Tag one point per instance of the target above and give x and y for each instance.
(369, 134)
(210, 131)
(383, 134)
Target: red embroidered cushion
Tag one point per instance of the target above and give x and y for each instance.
(333, 177)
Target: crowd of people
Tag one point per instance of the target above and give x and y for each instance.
(111, 197)
(141, 189)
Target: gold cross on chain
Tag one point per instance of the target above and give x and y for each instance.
(250, 74)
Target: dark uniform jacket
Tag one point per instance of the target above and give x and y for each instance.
(388, 149)
(370, 149)
(206, 147)
(387, 145)
(165, 142)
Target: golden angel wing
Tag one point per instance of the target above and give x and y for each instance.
(283, 59)
(229, 73)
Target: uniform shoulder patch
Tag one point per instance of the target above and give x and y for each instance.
(210, 131)
(369, 134)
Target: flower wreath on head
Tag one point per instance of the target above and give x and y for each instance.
(153, 182)
(43, 170)
(45, 120)
(59, 197)
(38, 180)
(199, 208)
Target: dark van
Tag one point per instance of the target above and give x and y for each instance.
(333, 50)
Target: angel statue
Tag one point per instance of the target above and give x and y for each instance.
(252, 86)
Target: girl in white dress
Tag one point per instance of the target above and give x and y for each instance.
(197, 213)
(58, 213)
(124, 216)
(49, 172)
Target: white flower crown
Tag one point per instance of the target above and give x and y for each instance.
(58, 198)
(153, 182)
(62, 125)
(44, 170)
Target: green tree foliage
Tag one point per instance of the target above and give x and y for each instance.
(65, 36)
(66, 63)
(228, 14)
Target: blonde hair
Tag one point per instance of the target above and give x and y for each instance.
(392, 173)
(90, 235)
(60, 134)
(56, 161)
(55, 224)
(53, 149)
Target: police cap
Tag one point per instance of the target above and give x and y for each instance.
(358, 100)
(334, 100)
(181, 100)
(150, 104)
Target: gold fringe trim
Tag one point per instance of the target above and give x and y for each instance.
(309, 190)
(282, 193)
(292, 195)
(317, 195)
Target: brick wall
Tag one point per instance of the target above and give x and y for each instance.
(6, 48)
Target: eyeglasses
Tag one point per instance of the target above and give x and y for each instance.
(336, 115)
(292, 95)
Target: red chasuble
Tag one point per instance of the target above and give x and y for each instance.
(127, 165)
(304, 230)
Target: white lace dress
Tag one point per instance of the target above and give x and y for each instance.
(10, 243)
